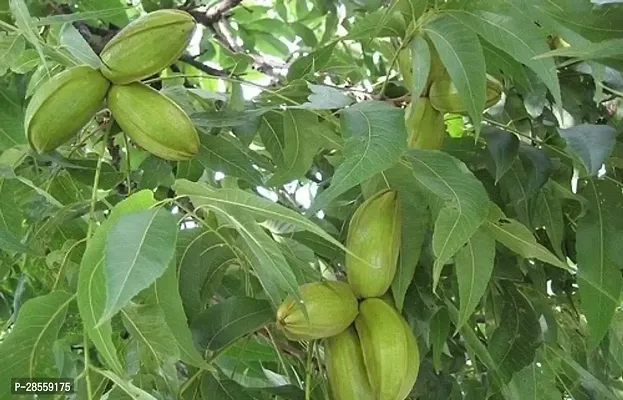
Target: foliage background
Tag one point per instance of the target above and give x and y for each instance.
(169, 273)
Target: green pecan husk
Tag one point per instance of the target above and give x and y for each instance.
(389, 349)
(153, 121)
(374, 244)
(147, 45)
(63, 105)
(331, 307)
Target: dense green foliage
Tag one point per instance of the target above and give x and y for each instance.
(169, 273)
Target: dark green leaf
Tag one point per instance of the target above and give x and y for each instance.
(515, 34)
(300, 146)
(222, 155)
(503, 147)
(464, 201)
(92, 280)
(26, 352)
(461, 53)
(514, 342)
(139, 247)
(599, 256)
(375, 137)
(473, 264)
(591, 143)
(229, 320)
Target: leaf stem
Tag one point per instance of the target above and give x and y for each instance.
(96, 179)
(308, 370)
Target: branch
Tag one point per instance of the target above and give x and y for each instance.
(215, 13)
(190, 60)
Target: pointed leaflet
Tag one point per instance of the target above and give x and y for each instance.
(518, 238)
(589, 51)
(229, 320)
(547, 214)
(72, 40)
(514, 342)
(248, 202)
(26, 352)
(515, 34)
(535, 382)
(165, 294)
(438, 334)
(593, 144)
(375, 137)
(465, 201)
(222, 389)
(473, 264)
(139, 247)
(589, 381)
(599, 256)
(420, 59)
(11, 118)
(92, 280)
(415, 222)
(126, 386)
(503, 147)
(146, 323)
(271, 266)
(220, 154)
(203, 260)
(271, 132)
(461, 53)
(301, 145)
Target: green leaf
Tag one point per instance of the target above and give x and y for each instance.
(547, 213)
(518, 238)
(92, 280)
(514, 342)
(516, 34)
(229, 320)
(271, 267)
(438, 334)
(8, 242)
(222, 389)
(139, 247)
(593, 144)
(589, 51)
(73, 41)
(147, 324)
(26, 352)
(258, 206)
(222, 155)
(465, 202)
(203, 262)
(126, 386)
(25, 23)
(310, 63)
(156, 172)
(599, 257)
(375, 137)
(271, 132)
(588, 380)
(11, 46)
(414, 224)
(503, 147)
(11, 118)
(301, 145)
(164, 293)
(420, 60)
(377, 24)
(325, 98)
(473, 265)
(461, 53)
(535, 382)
